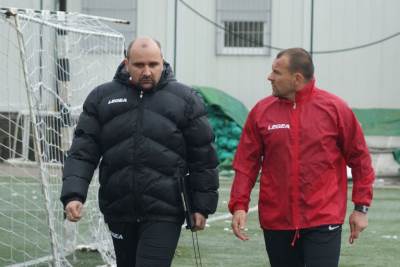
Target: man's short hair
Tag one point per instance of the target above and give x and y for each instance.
(299, 61)
(133, 41)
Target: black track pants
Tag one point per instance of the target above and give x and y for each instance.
(145, 244)
(314, 247)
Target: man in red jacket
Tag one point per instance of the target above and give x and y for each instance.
(302, 138)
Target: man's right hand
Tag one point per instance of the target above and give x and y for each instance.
(73, 210)
(239, 220)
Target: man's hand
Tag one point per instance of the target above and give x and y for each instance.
(74, 210)
(358, 222)
(239, 220)
(199, 221)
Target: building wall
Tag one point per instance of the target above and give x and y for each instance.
(197, 61)
(124, 10)
(365, 78)
(33, 4)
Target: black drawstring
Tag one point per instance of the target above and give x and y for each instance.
(295, 237)
(196, 249)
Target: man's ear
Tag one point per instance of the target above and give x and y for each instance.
(126, 62)
(299, 78)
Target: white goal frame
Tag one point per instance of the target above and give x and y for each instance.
(56, 58)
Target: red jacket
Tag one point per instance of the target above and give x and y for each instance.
(302, 148)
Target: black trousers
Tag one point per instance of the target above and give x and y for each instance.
(312, 247)
(145, 244)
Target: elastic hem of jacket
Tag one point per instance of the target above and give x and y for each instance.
(292, 228)
(131, 219)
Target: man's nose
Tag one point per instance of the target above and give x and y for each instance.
(146, 71)
(269, 77)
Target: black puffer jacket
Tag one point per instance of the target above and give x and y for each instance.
(145, 140)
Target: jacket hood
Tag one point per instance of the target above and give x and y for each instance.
(122, 75)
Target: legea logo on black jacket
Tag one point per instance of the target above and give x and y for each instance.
(117, 100)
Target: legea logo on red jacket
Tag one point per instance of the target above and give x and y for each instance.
(278, 126)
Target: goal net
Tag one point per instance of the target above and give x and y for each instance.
(49, 62)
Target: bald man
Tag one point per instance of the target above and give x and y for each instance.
(147, 131)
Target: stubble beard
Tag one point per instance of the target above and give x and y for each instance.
(147, 83)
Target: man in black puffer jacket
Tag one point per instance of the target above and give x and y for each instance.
(149, 131)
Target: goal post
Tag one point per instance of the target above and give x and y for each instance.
(49, 62)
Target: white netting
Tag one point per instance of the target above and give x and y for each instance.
(49, 62)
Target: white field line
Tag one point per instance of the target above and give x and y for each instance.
(32, 262)
(224, 216)
(228, 215)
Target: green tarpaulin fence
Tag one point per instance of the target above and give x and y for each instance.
(227, 116)
(230, 106)
(396, 155)
(382, 122)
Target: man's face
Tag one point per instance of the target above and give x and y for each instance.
(282, 80)
(145, 64)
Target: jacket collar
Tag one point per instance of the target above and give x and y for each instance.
(122, 76)
(305, 93)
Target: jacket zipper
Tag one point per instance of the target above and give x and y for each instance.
(138, 209)
(296, 182)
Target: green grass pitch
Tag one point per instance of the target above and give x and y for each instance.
(378, 245)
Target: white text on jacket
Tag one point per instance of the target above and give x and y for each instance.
(117, 100)
(278, 126)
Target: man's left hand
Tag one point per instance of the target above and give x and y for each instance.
(358, 222)
(199, 221)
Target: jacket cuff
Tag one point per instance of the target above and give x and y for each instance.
(239, 206)
(202, 213)
(74, 187)
(67, 200)
(363, 190)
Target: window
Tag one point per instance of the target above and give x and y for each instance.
(243, 34)
(246, 27)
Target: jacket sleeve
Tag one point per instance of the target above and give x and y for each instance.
(84, 154)
(356, 154)
(201, 157)
(246, 164)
